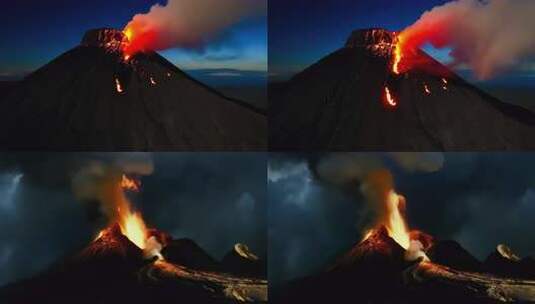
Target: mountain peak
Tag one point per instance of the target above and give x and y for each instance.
(371, 36)
(104, 37)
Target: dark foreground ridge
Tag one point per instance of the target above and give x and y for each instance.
(93, 97)
(339, 104)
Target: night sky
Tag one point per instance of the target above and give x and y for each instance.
(33, 32)
(302, 32)
(478, 200)
(216, 199)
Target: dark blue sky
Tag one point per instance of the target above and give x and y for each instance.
(33, 32)
(301, 32)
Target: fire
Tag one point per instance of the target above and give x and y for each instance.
(396, 224)
(389, 98)
(152, 82)
(130, 184)
(426, 89)
(133, 227)
(118, 86)
(128, 32)
(397, 54)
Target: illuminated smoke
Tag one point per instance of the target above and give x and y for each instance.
(489, 36)
(188, 23)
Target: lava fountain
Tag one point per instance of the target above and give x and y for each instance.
(390, 206)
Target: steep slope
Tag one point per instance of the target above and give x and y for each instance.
(93, 98)
(339, 104)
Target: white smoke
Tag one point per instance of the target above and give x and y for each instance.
(191, 23)
(415, 251)
(488, 36)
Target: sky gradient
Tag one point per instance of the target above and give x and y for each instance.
(34, 32)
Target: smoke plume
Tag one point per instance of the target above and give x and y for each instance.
(188, 23)
(97, 184)
(488, 36)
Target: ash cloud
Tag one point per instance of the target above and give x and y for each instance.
(190, 23)
(489, 36)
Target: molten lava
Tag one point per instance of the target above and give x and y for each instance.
(396, 224)
(445, 84)
(133, 227)
(389, 98)
(118, 86)
(130, 184)
(397, 54)
(426, 89)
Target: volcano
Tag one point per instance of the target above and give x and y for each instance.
(353, 99)
(376, 271)
(96, 97)
(112, 269)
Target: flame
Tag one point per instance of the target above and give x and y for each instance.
(130, 184)
(396, 224)
(389, 98)
(152, 82)
(118, 86)
(426, 89)
(397, 54)
(133, 227)
(130, 222)
(129, 33)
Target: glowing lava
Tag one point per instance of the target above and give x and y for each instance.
(397, 54)
(118, 86)
(389, 98)
(130, 184)
(426, 89)
(445, 84)
(133, 227)
(396, 224)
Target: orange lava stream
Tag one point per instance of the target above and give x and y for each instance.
(118, 86)
(396, 224)
(389, 98)
(397, 55)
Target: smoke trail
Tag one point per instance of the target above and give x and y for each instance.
(188, 23)
(488, 36)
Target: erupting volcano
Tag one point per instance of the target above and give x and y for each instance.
(393, 264)
(128, 262)
(112, 93)
(381, 92)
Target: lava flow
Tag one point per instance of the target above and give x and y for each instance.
(389, 98)
(397, 54)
